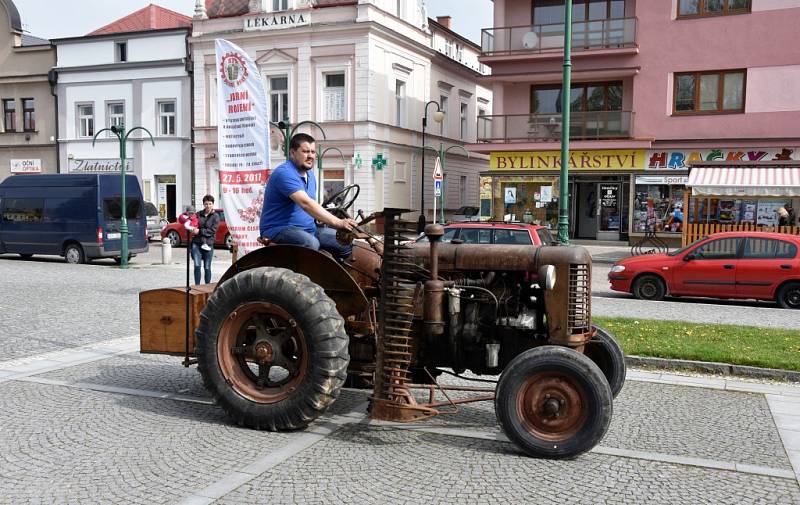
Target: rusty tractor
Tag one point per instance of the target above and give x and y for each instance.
(285, 328)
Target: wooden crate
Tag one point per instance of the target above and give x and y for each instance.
(162, 318)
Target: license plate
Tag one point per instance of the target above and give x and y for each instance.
(114, 236)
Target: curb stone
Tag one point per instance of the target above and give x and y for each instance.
(713, 368)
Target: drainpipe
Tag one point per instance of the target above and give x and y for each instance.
(52, 78)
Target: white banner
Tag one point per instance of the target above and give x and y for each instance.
(243, 143)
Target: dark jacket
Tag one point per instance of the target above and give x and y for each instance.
(208, 225)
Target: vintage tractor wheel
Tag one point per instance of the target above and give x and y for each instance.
(607, 354)
(553, 402)
(272, 349)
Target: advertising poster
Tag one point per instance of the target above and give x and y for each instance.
(768, 212)
(243, 143)
(510, 195)
(748, 211)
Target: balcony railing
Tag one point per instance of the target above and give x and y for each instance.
(547, 127)
(605, 33)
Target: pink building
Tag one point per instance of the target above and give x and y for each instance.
(657, 86)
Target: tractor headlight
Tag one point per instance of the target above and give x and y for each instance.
(617, 268)
(547, 277)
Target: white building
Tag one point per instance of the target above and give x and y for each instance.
(364, 70)
(132, 71)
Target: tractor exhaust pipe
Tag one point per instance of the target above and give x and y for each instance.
(433, 293)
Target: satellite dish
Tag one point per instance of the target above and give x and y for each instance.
(530, 40)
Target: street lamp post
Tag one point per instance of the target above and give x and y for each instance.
(288, 130)
(563, 208)
(438, 116)
(119, 131)
(441, 152)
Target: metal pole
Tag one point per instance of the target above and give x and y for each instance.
(563, 208)
(441, 160)
(123, 228)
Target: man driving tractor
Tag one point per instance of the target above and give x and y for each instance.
(290, 208)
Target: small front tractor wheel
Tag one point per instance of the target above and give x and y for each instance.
(272, 349)
(553, 402)
(607, 354)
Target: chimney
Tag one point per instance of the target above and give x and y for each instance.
(444, 21)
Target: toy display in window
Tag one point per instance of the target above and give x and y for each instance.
(726, 211)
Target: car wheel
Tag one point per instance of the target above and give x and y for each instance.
(649, 287)
(789, 295)
(174, 238)
(73, 253)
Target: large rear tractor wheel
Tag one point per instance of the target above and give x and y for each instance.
(553, 402)
(272, 349)
(607, 354)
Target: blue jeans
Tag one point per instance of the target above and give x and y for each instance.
(324, 239)
(201, 258)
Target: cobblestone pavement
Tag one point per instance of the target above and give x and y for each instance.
(85, 418)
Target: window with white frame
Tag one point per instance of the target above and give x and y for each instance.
(484, 125)
(115, 115)
(85, 119)
(443, 107)
(464, 124)
(333, 97)
(400, 103)
(462, 190)
(278, 98)
(166, 118)
(280, 5)
(400, 171)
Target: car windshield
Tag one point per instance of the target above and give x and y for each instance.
(684, 248)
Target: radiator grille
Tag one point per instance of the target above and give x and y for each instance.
(579, 317)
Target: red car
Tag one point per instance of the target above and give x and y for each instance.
(177, 233)
(496, 233)
(764, 266)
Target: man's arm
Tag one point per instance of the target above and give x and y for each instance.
(319, 213)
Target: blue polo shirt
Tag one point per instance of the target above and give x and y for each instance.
(280, 211)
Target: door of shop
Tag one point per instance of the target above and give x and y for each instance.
(608, 225)
(586, 210)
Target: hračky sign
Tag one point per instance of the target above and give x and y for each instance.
(277, 21)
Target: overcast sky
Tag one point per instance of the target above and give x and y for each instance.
(73, 18)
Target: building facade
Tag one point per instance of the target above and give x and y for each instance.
(364, 71)
(131, 72)
(657, 86)
(28, 122)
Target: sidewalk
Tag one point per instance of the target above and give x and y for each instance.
(604, 252)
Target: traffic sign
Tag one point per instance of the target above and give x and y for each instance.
(437, 187)
(437, 170)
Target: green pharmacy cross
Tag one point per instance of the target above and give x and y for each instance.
(357, 161)
(379, 162)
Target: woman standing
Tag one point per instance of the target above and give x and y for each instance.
(205, 233)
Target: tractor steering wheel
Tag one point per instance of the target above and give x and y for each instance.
(342, 199)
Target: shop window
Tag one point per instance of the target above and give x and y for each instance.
(658, 207)
(744, 211)
(699, 8)
(530, 200)
(709, 92)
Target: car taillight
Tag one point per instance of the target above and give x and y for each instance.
(100, 236)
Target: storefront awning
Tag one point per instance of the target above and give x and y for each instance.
(745, 181)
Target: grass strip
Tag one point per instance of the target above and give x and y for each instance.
(724, 343)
